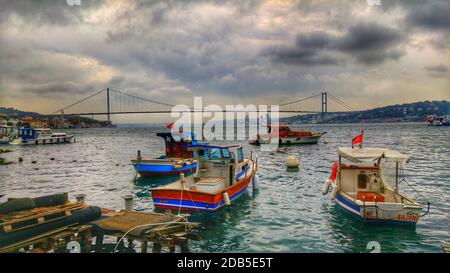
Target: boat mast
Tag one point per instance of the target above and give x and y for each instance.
(396, 176)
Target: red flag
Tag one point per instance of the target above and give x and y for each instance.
(170, 125)
(358, 139)
(334, 171)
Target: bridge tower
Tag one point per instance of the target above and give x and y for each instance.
(108, 104)
(324, 104)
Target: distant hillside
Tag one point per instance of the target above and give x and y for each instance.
(20, 114)
(410, 112)
(12, 112)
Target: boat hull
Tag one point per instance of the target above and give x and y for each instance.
(161, 169)
(375, 213)
(290, 140)
(190, 200)
(44, 141)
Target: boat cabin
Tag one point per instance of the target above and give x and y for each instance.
(285, 131)
(176, 149)
(220, 163)
(40, 133)
(360, 174)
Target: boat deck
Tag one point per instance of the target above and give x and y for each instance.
(389, 197)
(204, 184)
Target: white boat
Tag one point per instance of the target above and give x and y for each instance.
(32, 136)
(359, 186)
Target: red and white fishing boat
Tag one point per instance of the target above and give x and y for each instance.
(287, 136)
(222, 175)
(359, 186)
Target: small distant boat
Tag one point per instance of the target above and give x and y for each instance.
(30, 136)
(7, 134)
(222, 175)
(287, 136)
(359, 187)
(434, 120)
(177, 159)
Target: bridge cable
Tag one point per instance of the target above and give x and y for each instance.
(80, 101)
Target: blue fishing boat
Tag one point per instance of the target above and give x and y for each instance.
(177, 159)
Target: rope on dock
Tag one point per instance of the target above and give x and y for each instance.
(147, 225)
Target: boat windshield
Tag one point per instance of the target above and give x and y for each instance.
(214, 154)
(240, 155)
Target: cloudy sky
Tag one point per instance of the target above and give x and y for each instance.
(52, 53)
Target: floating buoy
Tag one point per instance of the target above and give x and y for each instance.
(226, 199)
(52, 158)
(255, 182)
(334, 191)
(292, 162)
(326, 186)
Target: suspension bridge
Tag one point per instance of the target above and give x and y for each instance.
(108, 101)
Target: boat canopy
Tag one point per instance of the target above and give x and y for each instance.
(368, 154)
(208, 146)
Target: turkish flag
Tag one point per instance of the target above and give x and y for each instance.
(170, 125)
(334, 171)
(357, 139)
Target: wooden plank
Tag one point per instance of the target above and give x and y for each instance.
(48, 237)
(10, 219)
(445, 247)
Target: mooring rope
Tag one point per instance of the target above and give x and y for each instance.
(181, 197)
(134, 177)
(146, 225)
(195, 205)
(403, 179)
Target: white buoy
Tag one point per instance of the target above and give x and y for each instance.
(326, 186)
(255, 182)
(292, 162)
(334, 191)
(226, 199)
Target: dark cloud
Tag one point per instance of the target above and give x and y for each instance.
(439, 70)
(431, 15)
(213, 48)
(367, 42)
(298, 56)
(38, 12)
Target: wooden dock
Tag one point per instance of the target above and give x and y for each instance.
(445, 247)
(52, 229)
(162, 230)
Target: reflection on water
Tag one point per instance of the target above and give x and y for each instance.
(288, 214)
(352, 235)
